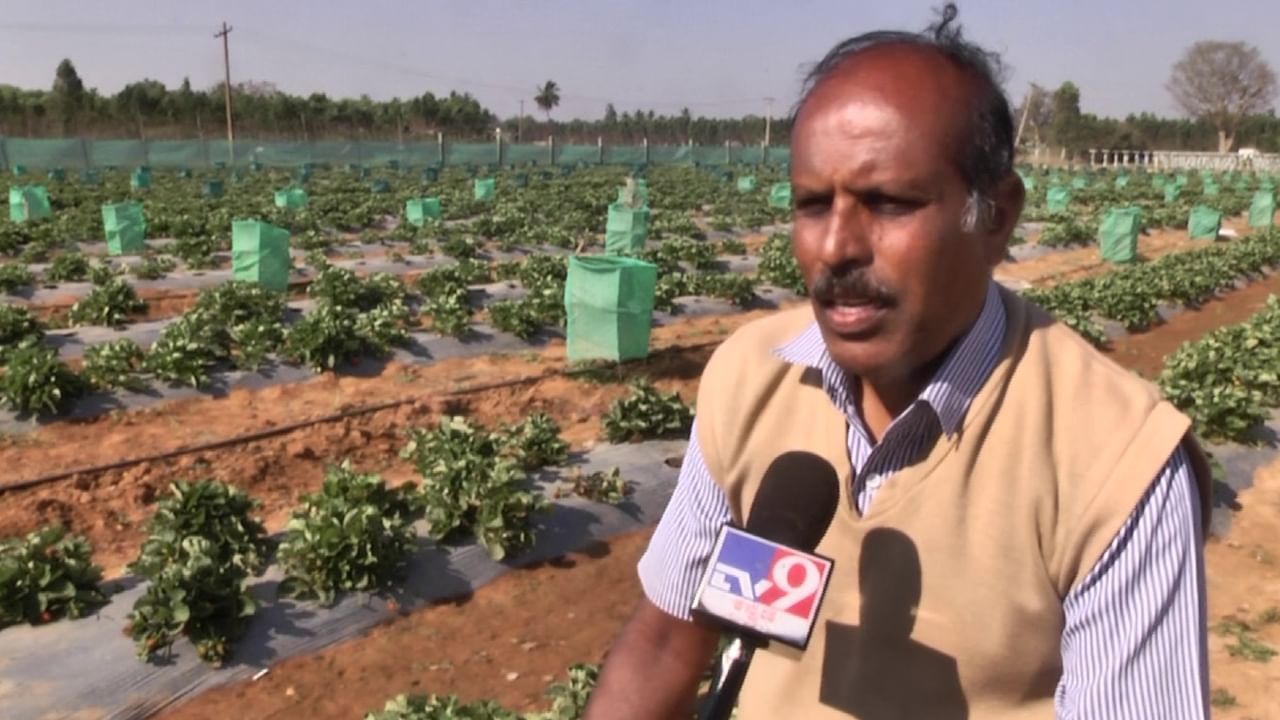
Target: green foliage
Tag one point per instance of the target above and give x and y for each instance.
(18, 329)
(603, 487)
(646, 414)
(154, 267)
(569, 699)
(46, 576)
(355, 534)
(1222, 698)
(469, 488)
(187, 348)
(1065, 233)
(440, 707)
(35, 380)
(732, 246)
(535, 442)
(1227, 379)
(113, 365)
(202, 548)
(450, 311)
(109, 304)
(778, 265)
(196, 253)
(15, 275)
(68, 267)
(324, 338)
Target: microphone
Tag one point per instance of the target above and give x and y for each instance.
(764, 581)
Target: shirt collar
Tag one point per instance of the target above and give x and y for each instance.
(952, 388)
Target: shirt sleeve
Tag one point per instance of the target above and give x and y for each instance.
(681, 546)
(1134, 642)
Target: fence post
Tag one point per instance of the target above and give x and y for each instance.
(440, 148)
(646, 149)
(551, 143)
(728, 153)
(600, 150)
(498, 134)
(4, 155)
(84, 152)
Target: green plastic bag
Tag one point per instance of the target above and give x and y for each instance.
(431, 174)
(140, 179)
(419, 210)
(1172, 191)
(1205, 222)
(1122, 181)
(293, 198)
(635, 193)
(1079, 182)
(626, 230)
(484, 189)
(747, 183)
(1210, 189)
(19, 170)
(57, 175)
(260, 254)
(1028, 181)
(380, 186)
(1057, 198)
(184, 173)
(1262, 211)
(608, 304)
(213, 189)
(88, 177)
(125, 228)
(1118, 235)
(520, 180)
(29, 202)
(780, 196)
(1157, 181)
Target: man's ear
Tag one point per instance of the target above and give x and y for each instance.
(1007, 201)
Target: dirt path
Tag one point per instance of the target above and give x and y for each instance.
(1243, 584)
(1085, 262)
(507, 643)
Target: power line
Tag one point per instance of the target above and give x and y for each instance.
(77, 28)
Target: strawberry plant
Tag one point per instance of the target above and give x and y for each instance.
(68, 267)
(440, 707)
(778, 265)
(450, 311)
(113, 365)
(468, 488)
(154, 267)
(535, 442)
(109, 304)
(646, 414)
(36, 380)
(1065, 233)
(202, 549)
(602, 487)
(15, 275)
(355, 534)
(196, 253)
(522, 318)
(569, 699)
(46, 576)
(18, 329)
(187, 348)
(732, 246)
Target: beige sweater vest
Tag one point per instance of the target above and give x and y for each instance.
(946, 598)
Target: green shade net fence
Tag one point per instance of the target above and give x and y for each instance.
(608, 308)
(22, 154)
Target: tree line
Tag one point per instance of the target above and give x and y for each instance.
(1226, 90)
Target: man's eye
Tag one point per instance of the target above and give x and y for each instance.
(889, 205)
(810, 205)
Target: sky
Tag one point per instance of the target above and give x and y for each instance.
(716, 57)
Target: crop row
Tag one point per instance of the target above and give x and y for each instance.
(1132, 295)
(355, 534)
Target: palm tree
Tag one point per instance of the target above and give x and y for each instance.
(548, 97)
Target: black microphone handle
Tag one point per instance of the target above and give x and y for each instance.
(722, 699)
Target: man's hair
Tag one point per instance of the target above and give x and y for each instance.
(986, 156)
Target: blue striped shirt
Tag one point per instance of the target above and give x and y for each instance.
(1134, 643)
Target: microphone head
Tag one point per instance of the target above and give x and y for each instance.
(796, 501)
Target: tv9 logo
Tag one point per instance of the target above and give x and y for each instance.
(764, 587)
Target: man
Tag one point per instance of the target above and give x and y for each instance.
(1020, 524)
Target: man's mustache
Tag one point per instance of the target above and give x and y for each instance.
(850, 284)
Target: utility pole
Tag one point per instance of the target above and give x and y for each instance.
(520, 122)
(226, 91)
(768, 120)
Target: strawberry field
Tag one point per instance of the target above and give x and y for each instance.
(217, 486)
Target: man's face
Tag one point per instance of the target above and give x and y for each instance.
(879, 203)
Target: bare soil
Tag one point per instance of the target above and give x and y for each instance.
(1087, 261)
